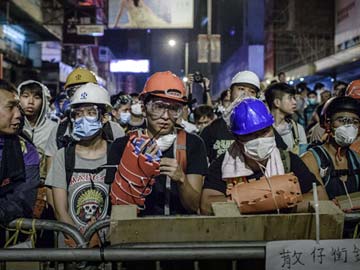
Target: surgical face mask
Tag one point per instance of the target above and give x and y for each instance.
(136, 109)
(260, 149)
(86, 127)
(124, 118)
(166, 141)
(345, 135)
(312, 101)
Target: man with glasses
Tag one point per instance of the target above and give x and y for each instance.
(177, 182)
(333, 163)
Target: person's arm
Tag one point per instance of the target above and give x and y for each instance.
(20, 201)
(207, 92)
(208, 197)
(61, 205)
(190, 185)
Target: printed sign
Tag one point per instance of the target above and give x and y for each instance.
(308, 254)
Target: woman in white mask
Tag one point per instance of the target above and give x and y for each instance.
(333, 163)
(252, 155)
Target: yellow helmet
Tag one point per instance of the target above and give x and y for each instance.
(80, 75)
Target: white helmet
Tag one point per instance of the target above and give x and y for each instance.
(247, 77)
(91, 93)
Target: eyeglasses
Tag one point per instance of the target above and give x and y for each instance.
(158, 108)
(89, 111)
(345, 120)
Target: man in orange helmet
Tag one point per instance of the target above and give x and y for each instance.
(159, 186)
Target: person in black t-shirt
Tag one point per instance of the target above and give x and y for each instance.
(216, 136)
(253, 153)
(178, 188)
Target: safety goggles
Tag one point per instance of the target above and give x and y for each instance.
(158, 108)
(91, 112)
(346, 120)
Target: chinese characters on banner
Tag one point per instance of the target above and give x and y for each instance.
(308, 254)
(215, 47)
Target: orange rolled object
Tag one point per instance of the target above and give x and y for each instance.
(256, 196)
(134, 177)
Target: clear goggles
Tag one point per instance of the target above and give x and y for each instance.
(346, 120)
(158, 108)
(91, 112)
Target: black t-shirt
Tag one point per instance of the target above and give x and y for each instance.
(155, 202)
(217, 138)
(214, 179)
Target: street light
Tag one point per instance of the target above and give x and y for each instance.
(172, 43)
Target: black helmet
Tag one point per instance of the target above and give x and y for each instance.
(341, 104)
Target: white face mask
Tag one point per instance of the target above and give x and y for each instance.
(136, 109)
(124, 118)
(166, 141)
(345, 135)
(260, 149)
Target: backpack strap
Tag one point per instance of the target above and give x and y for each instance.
(354, 159)
(180, 147)
(324, 162)
(295, 133)
(108, 133)
(69, 155)
(62, 140)
(285, 157)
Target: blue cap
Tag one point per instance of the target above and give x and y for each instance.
(249, 116)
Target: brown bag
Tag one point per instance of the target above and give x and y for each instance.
(256, 196)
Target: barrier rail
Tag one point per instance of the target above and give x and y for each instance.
(142, 252)
(52, 225)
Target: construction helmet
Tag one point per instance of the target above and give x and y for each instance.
(249, 116)
(246, 77)
(340, 104)
(91, 93)
(80, 75)
(353, 89)
(166, 85)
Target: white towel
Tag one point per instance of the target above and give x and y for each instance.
(234, 163)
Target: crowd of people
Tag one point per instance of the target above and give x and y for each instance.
(73, 157)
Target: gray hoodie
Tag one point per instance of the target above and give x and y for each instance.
(40, 133)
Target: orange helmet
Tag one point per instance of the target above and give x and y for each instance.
(353, 89)
(166, 85)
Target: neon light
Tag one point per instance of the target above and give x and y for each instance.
(13, 34)
(128, 65)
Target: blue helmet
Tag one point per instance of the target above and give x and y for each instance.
(249, 116)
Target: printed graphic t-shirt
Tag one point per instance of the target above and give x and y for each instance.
(87, 193)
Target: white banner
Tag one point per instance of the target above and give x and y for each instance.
(308, 254)
(215, 47)
(347, 21)
(146, 14)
